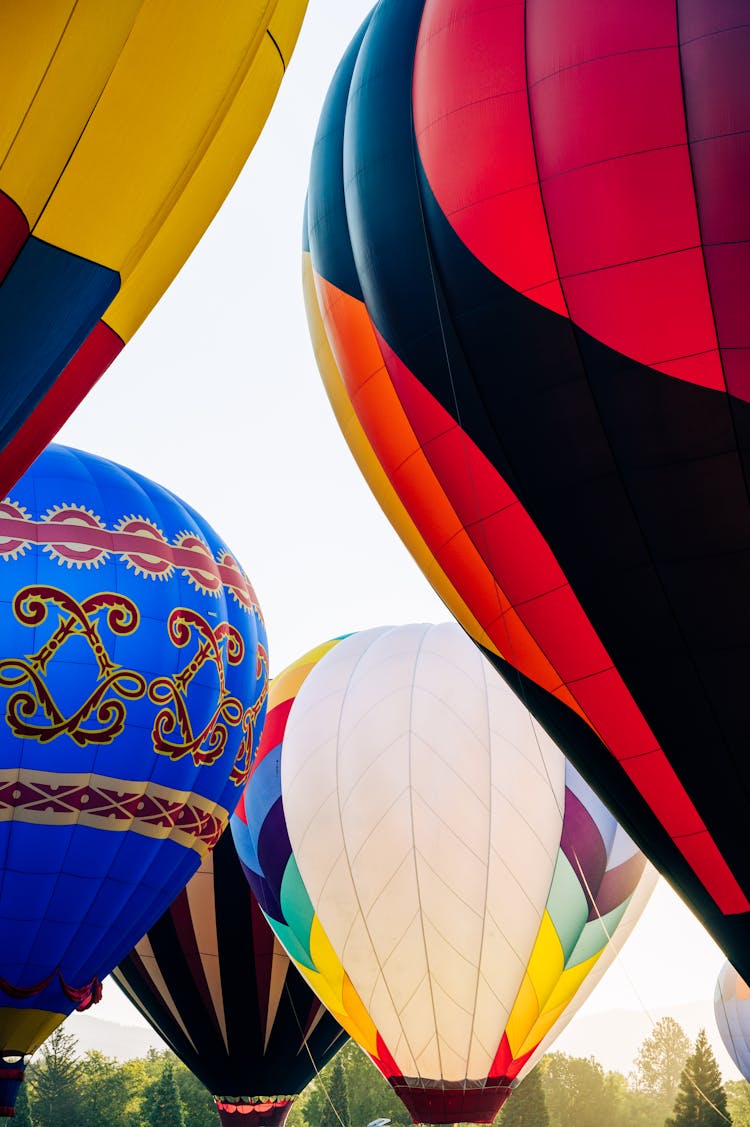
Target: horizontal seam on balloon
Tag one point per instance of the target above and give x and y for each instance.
(600, 58)
(631, 262)
(713, 34)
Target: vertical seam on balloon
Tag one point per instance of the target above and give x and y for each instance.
(416, 864)
(483, 666)
(698, 211)
(39, 85)
(270, 35)
(352, 672)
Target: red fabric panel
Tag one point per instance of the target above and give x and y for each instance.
(563, 33)
(657, 782)
(273, 729)
(702, 853)
(78, 377)
(718, 118)
(611, 145)
(452, 1105)
(488, 191)
(14, 230)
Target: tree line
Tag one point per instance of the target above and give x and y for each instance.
(673, 1084)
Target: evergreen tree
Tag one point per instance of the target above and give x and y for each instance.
(701, 1100)
(527, 1106)
(23, 1111)
(337, 1091)
(162, 1106)
(55, 1082)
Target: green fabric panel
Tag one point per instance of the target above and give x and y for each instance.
(566, 905)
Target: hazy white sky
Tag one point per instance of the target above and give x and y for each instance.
(218, 398)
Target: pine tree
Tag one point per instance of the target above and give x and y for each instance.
(701, 1100)
(162, 1106)
(56, 1082)
(23, 1111)
(337, 1091)
(527, 1106)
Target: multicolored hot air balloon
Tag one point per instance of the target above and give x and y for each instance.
(216, 984)
(122, 129)
(732, 1010)
(528, 277)
(133, 677)
(444, 880)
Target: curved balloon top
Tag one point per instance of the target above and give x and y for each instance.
(525, 280)
(121, 132)
(133, 678)
(441, 876)
(732, 1010)
(216, 984)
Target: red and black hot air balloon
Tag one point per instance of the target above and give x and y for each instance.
(216, 984)
(528, 284)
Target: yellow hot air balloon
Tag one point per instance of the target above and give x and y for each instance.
(122, 128)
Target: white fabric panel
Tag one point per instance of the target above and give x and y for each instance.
(424, 810)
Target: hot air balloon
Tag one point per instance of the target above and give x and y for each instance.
(528, 245)
(121, 132)
(133, 676)
(732, 1010)
(444, 880)
(216, 984)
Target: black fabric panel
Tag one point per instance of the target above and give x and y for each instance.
(590, 756)
(246, 1070)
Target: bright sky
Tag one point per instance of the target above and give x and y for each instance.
(218, 398)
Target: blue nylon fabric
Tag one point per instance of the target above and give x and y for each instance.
(50, 300)
(78, 897)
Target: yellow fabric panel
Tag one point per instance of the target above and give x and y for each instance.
(28, 38)
(50, 104)
(285, 25)
(287, 684)
(557, 1002)
(150, 268)
(370, 467)
(523, 1016)
(336, 991)
(22, 1030)
(172, 87)
(547, 961)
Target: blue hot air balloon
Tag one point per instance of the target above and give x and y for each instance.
(133, 675)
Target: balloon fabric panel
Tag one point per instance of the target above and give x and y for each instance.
(525, 297)
(133, 689)
(285, 860)
(119, 138)
(214, 982)
(732, 1011)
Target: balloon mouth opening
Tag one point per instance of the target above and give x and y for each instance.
(440, 1101)
(260, 1111)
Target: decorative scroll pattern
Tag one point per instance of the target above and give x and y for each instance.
(105, 703)
(33, 713)
(114, 804)
(242, 763)
(77, 537)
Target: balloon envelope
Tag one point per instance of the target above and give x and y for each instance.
(132, 693)
(121, 130)
(443, 879)
(216, 984)
(732, 1010)
(527, 276)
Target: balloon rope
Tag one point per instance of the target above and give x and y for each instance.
(618, 959)
(318, 1076)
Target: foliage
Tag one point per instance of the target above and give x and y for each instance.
(23, 1110)
(660, 1061)
(527, 1106)
(338, 1092)
(738, 1102)
(701, 1100)
(54, 1082)
(162, 1106)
